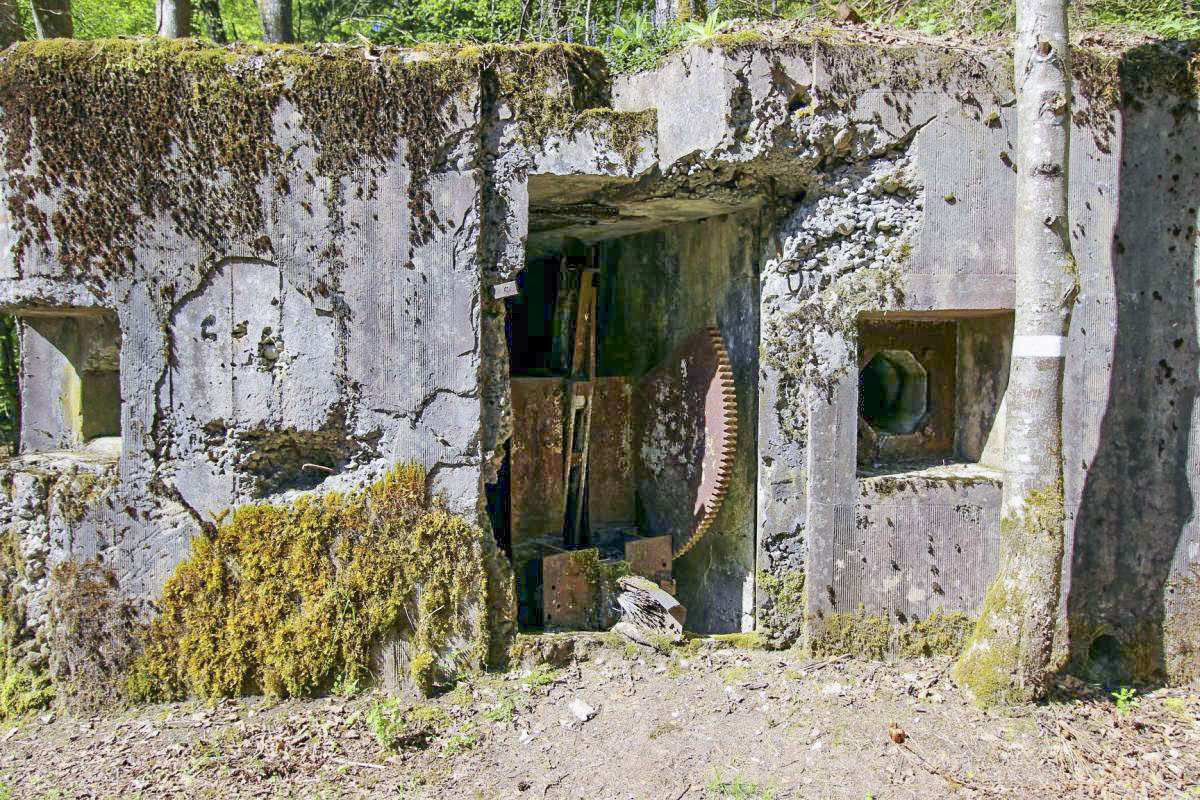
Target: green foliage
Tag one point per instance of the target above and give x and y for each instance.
(9, 389)
(466, 739)
(287, 599)
(22, 692)
(541, 675)
(398, 727)
(1126, 698)
(504, 709)
(739, 788)
(637, 45)
(699, 31)
(629, 40)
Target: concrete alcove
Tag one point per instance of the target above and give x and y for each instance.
(657, 281)
(930, 388)
(893, 392)
(70, 379)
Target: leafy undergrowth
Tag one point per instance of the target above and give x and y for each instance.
(636, 44)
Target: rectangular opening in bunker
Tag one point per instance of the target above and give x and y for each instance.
(931, 389)
(565, 502)
(70, 389)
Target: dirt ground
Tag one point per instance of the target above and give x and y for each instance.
(616, 721)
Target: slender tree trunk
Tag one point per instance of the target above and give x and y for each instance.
(52, 18)
(10, 23)
(1011, 657)
(173, 18)
(276, 20)
(214, 26)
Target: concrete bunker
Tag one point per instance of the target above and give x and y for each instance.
(70, 391)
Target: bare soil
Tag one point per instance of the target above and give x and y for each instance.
(706, 721)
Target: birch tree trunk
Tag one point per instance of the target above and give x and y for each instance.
(276, 20)
(52, 18)
(10, 23)
(173, 18)
(1011, 657)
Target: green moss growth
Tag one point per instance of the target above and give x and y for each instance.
(74, 494)
(1005, 662)
(737, 41)
(287, 599)
(878, 637)
(93, 639)
(622, 131)
(743, 641)
(782, 601)
(545, 85)
(121, 133)
(22, 692)
(600, 573)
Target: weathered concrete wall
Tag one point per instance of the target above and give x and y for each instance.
(900, 164)
(302, 312)
(345, 317)
(666, 286)
(1130, 422)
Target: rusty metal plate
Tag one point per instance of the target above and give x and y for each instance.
(610, 454)
(651, 558)
(569, 595)
(685, 435)
(536, 459)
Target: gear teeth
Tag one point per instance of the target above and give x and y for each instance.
(727, 446)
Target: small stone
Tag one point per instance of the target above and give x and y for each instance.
(843, 139)
(582, 711)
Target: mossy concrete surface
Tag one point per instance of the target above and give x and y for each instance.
(289, 599)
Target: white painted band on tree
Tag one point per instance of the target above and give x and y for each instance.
(1039, 346)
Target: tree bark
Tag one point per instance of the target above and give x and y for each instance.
(1011, 656)
(214, 26)
(10, 23)
(173, 18)
(276, 20)
(52, 18)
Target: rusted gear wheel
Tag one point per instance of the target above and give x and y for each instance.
(686, 437)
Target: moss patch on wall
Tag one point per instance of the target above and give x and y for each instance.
(621, 131)
(879, 637)
(22, 690)
(288, 599)
(125, 135)
(94, 637)
(782, 603)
